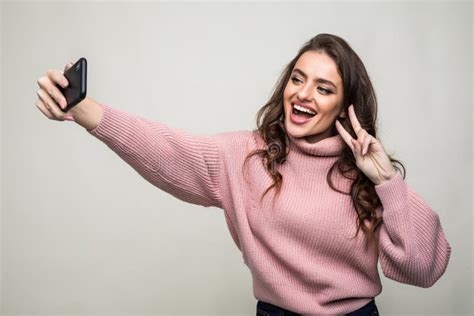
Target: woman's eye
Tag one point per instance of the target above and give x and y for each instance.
(326, 91)
(295, 79)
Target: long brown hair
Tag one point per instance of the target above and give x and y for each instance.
(358, 91)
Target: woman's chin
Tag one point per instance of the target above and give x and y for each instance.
(295, 131)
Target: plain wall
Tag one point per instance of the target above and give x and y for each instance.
(83, 234)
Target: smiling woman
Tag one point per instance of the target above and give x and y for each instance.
(324, 83)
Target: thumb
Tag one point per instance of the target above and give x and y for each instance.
(69, 65)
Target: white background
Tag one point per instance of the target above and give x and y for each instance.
(83, 234)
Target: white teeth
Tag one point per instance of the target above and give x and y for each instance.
(302, 109)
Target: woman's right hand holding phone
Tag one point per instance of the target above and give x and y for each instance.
(86, 113)
(50, 97)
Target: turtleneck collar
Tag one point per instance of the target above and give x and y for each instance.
(328, 147)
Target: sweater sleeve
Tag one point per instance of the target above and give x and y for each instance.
(183, 165)
(412, 246)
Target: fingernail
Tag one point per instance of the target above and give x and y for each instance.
(70, 118)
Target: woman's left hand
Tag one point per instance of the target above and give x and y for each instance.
(370, 156)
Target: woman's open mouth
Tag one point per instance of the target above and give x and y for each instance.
(301, 115)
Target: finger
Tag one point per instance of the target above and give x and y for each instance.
(54, 92)
(356, 150)
(57, 78)
(50, 104)
(345, 135)
(361, 137)
(354, 121)
(366, 144)
(43, 108)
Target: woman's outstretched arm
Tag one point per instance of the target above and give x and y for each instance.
(179, 163)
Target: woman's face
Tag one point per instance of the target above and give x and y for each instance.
(314, 84)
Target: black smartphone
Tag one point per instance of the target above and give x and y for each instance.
(76, 91)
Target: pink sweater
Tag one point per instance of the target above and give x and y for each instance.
(299, 253)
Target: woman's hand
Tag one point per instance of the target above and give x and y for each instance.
(50, 97)
(370, 156)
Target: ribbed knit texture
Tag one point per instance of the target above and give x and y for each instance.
(299, 252)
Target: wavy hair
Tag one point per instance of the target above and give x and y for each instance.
(358, 91)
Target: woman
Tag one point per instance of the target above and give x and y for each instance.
(316, 149)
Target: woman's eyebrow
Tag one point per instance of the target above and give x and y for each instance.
(320, 80)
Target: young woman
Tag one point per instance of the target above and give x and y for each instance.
(315, 148)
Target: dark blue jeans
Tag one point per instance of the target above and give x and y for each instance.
(267, 309)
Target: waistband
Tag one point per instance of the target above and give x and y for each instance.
(265, 309)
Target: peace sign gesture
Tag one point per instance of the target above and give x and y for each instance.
(370, 156)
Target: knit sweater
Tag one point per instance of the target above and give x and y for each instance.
(299, 250)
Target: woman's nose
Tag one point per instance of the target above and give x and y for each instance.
(305, 92)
